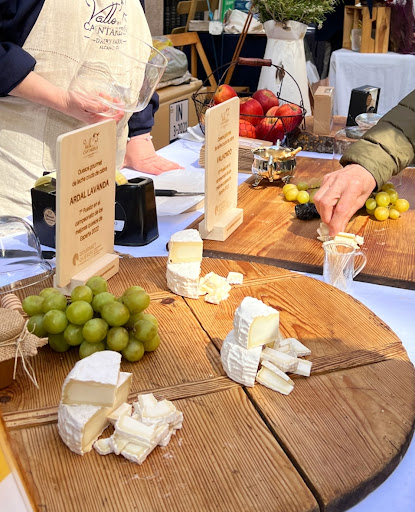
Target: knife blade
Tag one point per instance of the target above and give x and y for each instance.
(163, 192)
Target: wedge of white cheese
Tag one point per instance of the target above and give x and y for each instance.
(124, 408)
(284, 362)
(183, 279)
(136, 452)
(295, 346)
(162, 412)
(185, 247)
(240, 364)
(255, 323)
(272, 377)
(80, 425)
(93, 380)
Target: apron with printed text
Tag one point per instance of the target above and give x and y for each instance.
(28, 131)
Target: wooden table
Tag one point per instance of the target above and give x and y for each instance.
(335, 438)
(272, 234)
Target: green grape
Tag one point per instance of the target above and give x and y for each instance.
(95, 330)
(134, 351)
(115, 314)
(79, 312)
(35, 326)
(55, 321)
(291, 194)
(54, 301)
(371, 212)
(151, 318)
(393, 195)
(97, 284)
(134, 317)
(303, 197)
(133, 289)
(312, 193)
(32, 305)
(150, 346)
(57, 342)
(381, 213)
(371, 204)
(302, 185)
(73, 335)
(101, 299)
(86, 349)
(402, 205)
(287, 186)
(82, 292)
(387, 186)
(382, 199)
(136, 301)
(144, 330)
(117, 338)
(394, 214)
(47, 291)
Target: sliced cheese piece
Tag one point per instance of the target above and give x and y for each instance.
(178, 421)
(286, 349)
(103, 446)
(163, 412)
(284, 362)
(240, 364)
(136, 431)
(118, 443)
(347, 240)
(93, 380)
(215, 286)
(303, 368)
(136, 452)
(235, 278)
(255, 323)
(217, 296)
(165, 441)
(359, 239)
(183, 279)
(296, 346)
(274, 381)
(124, 408)
(185, 247)
(80, 425)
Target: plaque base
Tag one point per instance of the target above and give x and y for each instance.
(228, 223)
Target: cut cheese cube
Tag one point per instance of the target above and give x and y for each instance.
(118, 443)
(103, 446)
(255, 323)
(296, 346)
(217, 296)
(216, 287)
(135, 452)
(183, 279)
(274, 381)
(185, 247)
(163, 412)
(79, 426)
(136, 431)
(93, 380)
(284, 362)
(235, 278)
(240, 364)
(124, 408)
(178, 421)
(286, 349)
(303, 368)
(165, 441)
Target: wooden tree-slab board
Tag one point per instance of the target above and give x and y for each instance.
(335, 438)
(271, 233)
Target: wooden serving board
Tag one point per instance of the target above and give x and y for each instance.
(272, 234)
(329, 443)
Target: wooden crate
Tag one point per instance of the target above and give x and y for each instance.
(375, 29)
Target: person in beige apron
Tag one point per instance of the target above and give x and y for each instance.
(40, 108)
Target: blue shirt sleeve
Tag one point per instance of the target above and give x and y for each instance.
(142, 122)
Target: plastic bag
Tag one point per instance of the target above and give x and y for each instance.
(177, 61)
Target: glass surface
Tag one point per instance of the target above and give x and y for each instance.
(20, 255)
(339, 265)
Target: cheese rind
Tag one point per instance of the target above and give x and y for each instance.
(255, 323)
(183, 279)
(284, 362)
(271, 380)
(240, 364)
(103, 446)
(124, 408)
(93, 380)
(185, 247)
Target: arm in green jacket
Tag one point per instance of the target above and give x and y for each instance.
(389, 147)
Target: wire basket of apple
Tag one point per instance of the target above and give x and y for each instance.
(264, 115)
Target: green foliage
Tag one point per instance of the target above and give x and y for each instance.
(304, 11)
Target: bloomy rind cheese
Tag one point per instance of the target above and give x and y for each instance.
(185, 247)
(255, 323)
(271, 380)
(183, 279)
(235, 278)
(240, 364)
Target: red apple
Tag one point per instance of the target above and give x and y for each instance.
(291, 115)
(223, 92)
(246, 129)
(250, 110)
(270, 128)
(267, 99)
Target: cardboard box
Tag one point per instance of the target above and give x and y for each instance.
(177, 112)
(362, 99)
(323, 110)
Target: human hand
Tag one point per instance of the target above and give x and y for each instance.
(88, 110)
(341, 194)
(141, 156)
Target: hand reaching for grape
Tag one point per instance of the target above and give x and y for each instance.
(341, 194)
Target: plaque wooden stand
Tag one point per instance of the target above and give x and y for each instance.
(222, 217)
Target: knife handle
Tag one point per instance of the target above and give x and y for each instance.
(165, 192)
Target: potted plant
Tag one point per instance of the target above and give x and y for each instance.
(285, 24)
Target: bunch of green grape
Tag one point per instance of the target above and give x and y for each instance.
(94, 320)
(386, 204)
(302, 192)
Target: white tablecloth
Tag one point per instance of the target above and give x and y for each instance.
(392, 72)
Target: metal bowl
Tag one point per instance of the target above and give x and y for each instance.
(367, 120)
(273, 163)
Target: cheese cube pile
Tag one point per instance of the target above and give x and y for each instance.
(183, 270)
(347, 238)
(256, 339)
(140, 428)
